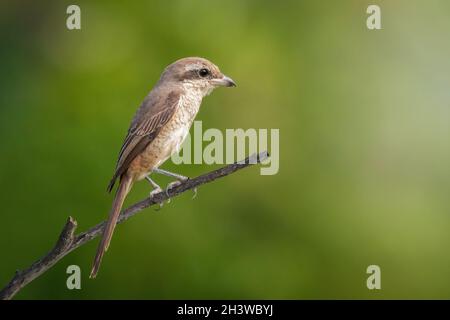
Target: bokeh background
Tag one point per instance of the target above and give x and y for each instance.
(364, 119)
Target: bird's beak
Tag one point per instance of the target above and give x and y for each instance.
(224, 82)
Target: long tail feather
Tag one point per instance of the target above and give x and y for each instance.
(122, 191)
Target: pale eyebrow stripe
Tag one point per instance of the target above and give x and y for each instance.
(193, 66)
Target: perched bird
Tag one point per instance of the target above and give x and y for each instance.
(158, 129)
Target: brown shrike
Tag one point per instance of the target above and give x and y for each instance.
(157, 131)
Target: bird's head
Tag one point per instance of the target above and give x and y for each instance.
(197, 74)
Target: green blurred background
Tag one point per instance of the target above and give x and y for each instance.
(364, 153)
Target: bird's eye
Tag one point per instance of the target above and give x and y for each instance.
(203, 72)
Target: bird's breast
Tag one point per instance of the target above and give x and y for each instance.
(175, 131)
(170, 137)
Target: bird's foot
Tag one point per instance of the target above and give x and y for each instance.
(170, 186)
(156, 191)
(176, 184)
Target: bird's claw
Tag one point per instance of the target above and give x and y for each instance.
(155, 191)
(170, 186)
(168, 196)
(176, 184)
(173, 184)
(152, 193)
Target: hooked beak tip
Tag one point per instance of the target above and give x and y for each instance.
(224, 82)
(229, 82)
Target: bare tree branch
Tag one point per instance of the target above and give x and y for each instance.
(67, 241)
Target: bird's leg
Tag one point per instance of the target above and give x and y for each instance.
(156, 188)
(177, 176)
(180, 178)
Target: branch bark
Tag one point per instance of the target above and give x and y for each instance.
(68, 241)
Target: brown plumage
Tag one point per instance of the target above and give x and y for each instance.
(158, 129)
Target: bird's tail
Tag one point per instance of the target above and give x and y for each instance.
(122, 191)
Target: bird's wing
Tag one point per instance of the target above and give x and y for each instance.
(153, 114)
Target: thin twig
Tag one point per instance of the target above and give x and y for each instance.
(67, 241)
